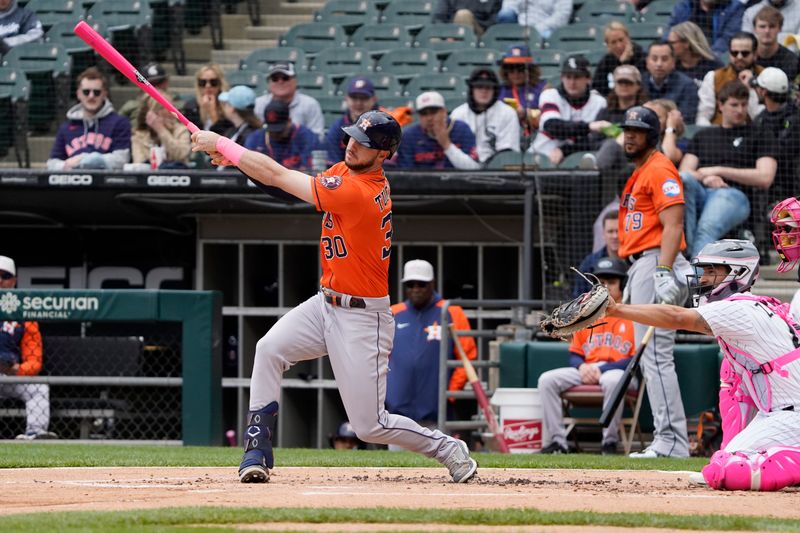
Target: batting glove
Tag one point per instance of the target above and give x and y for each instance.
(667, 290)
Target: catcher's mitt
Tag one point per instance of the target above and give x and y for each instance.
(577, 314)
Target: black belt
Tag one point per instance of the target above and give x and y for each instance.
(635, 257)
(358, 303)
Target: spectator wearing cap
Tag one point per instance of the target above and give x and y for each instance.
(719, 19)
(359, 98)
(664, 81)
(159, 79)
(597, 356)
(569, 113)
(412, 385)
(159, 139)
(238, 106)
(767, 23)
(475, 14)
(305, 110)
(281, 139)
(494, 123)
(205, 109)
(545, 16)
(18, 25)
(436, 141)
(781, 121)
(720, 164)
(521, 84)
(621, 51)
(741, 66)
(610, 249)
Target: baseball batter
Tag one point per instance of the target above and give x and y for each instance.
(349, 319)
(761, 343)
(651, 238)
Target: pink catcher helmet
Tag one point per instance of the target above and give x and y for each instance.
(786, 235)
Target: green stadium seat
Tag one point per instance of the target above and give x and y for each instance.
(577, 37)
(386, 85)
(393, 102)
(47, 67)
(316, 84)
(129, 22)
(697, 367)
(63, 33)
(413, 14)
(446, 38)
(252, 78)
(350, 14)
(452, 87)
(169, 22)
(508, 160)
(14, 95)
(380, 38)
(465, 61)
(262, 58)
(549, 57)
(597, 10)
(513, 364)
(332, 108)
(408, 63)
(657, 11)
(645, 33)
(573, 160)
(501, 36)
(314, 37)
(342, 62)
(50, 12)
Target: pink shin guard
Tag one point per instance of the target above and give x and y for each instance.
(735, 408)
(772, 470)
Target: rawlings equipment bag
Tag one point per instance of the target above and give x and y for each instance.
(577, 314)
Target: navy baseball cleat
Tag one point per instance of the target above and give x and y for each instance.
(253, 468)
(461, 466)
(258, 458)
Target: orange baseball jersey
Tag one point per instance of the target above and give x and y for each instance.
(356, 239)
(651, 188)
(607, 343)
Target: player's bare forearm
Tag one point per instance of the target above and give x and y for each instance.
(661, 316)
(266, 170)
(672, 220)
(761, 176)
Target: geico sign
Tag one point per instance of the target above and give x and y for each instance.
(70, 179)
(169, 181)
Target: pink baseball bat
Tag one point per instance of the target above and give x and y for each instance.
(110, 54)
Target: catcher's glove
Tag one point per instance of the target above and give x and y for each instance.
(577, 314)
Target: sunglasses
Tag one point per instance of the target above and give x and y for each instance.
(515, 68)
(416, 284)
(212, 82)
(279, 77)
(6, 275)
(742, 53)
(95, 92)
(428, 111)
(625, 82)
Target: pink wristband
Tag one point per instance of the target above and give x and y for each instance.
(232, 151)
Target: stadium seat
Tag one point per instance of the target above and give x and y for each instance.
(252, 78)
(393, 102)
(342, 62)
(577, 37)
(14, 95)
(316, 84)
(413, 14)
(350, 14)
(314, 37)
(168, 25)
(465, 61)
(332, 108)
(596, 10)
(50, 12)
(126, 21)
(380, 38)
(573, 160)
(386, 85)
(508, 160)
(47, 67)
(445, 38)
(657, 11)
(408, 63)
(452, 86)
(645, 33)
(501, 36)
(549, 57)
(82, 55)
(262, 58)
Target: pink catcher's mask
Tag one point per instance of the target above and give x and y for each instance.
(786, 235)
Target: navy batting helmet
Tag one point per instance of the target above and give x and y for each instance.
(644, 119)
(608, 267)
(376, 129)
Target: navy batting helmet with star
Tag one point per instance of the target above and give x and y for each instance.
(642, 118)
(376, 129)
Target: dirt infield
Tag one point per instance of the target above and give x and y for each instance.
(72, 489)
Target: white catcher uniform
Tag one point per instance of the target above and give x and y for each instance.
(762, 352)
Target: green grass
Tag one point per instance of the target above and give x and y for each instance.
(18, 455)
(180, 519)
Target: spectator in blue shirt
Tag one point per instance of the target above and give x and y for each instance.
(611, 249)
(360, 98)
(437, 141)
(719, 19)
(287, 143)
(663, 81)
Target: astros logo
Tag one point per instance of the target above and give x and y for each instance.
(330, 182)
(364, 124)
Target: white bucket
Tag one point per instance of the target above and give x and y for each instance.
(520, 418)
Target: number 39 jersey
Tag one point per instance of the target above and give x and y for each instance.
(356, 239)
(651, 188)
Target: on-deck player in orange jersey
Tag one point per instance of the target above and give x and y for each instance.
(349, 319)
(651, 238)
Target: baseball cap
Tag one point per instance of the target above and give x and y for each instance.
(429, 99)
(240, 97)
(628, 72)
(282, 68)
(7, 265)
(576, 64)
(483, 77)
(276, 116)
(773, 80)
(417, 270)
(517, 53)
(361, 86)
(154, 73)
(607, 266)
